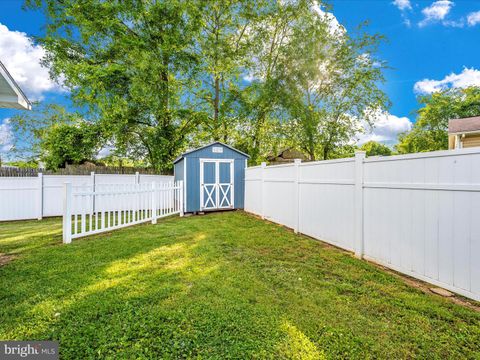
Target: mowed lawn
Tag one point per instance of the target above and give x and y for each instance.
(219, 286)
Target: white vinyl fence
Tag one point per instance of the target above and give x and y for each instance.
(418, 214)
(115, 206)
(36, 197)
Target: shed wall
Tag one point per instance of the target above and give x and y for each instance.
(193, 175)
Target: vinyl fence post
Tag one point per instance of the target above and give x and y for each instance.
(137, 177)
(182, 209)
(92, 180)
(262, 192)
(154, 204)
(67, 213)
(359, 240)
(296, 195)
(40, 196)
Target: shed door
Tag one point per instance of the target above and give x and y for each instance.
(216, 184)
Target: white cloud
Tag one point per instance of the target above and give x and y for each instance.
(386, 129)
(473, 18)
(22, 58)
(334, 27)
(6, 136)
(468, 77)
(437, 11)
(402, 4)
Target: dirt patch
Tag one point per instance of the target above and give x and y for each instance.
(5, 259)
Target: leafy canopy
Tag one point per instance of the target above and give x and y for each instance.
(430, 131)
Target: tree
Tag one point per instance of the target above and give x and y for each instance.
(373, 148)
(222, 44)
(64, 144)
(130, 64)
(430, 131)
(260, 102)
(332, 89)
(29, 128)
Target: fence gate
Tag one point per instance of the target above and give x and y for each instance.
(216, 184)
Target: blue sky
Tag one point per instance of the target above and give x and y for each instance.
(431, 45)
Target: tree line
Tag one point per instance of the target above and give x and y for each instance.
(153, 78)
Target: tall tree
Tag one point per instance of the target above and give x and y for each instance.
(332, 89)
(430, 131)
(221, 45)
(259, 101)
(129, 62)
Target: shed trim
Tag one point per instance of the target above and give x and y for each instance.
(205, 146)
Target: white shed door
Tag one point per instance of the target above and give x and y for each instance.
(216, 184)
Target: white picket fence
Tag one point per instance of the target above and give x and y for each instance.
(418, 214)
(23, 198)
(115, 206)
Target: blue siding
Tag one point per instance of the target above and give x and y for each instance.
(239, 186)
(192, 160)
(193, 184)
(178, 170)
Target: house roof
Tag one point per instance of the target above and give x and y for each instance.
(11, 96)
(205, 146)
(464, 125)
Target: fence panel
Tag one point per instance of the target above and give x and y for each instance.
(253, 187)
(23, 198)
(114, 206)
(326, 209)
(417, 214)
(53, 191)
(19, 198)
(421, 217)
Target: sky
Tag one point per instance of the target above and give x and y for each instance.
(431, 45)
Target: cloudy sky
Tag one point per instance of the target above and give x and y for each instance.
(432, 45)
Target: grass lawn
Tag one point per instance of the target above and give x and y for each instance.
(219, 286)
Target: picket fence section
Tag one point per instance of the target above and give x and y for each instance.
(114, 206)
(23, 198)
(417, 214)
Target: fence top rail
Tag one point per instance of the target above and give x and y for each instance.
(327, 162)
(124, 189)
(431, 154)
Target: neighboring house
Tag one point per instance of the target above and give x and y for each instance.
(464, 133)
(11, 96)
(286, 156)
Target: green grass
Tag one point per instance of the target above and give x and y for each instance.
(218, 286)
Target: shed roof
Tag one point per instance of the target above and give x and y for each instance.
(205, 146)
(11, 96)
(464, 125)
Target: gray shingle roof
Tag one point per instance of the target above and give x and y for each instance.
(464, 125)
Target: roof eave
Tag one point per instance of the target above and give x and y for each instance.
(20, 101)
(205, 146)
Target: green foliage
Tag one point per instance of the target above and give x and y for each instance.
(55, 136)
(130, 63)
(29, 127)
(334, 89)
(220, 286)
(373, 148)
(22, 164)
(159, 76)
(63, 144)
(430, 131)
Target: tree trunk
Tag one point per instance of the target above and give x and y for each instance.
(216, 101)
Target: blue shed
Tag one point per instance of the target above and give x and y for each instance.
(213, 177)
